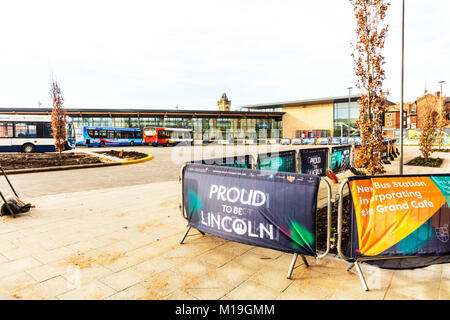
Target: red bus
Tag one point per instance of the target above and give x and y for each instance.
(157, 136)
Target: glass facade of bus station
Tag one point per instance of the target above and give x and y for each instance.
(345, 115)
(204, 128)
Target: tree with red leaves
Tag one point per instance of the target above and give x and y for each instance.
(370, 37)
(58, 119)
(429, 128)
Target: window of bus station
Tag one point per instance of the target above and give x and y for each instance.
(343, 117)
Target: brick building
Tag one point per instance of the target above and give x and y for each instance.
(224, 104)
(392, 119)
(414, 113)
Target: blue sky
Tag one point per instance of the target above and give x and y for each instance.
(159, 54)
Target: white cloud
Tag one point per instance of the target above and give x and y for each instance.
(158, 54)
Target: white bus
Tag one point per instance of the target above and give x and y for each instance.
(30, 133)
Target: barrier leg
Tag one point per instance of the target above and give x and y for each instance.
(291, 268)
(361, 276)
(304, 260)
(9, 182)
(7, 205)
(185, 234)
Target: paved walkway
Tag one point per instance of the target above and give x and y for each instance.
(123, 243)
(165, 166)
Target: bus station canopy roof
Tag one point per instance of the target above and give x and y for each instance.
(143, 113)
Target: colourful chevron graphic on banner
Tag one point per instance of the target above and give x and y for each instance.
(300, 236)
(195, 202)
(390, 209)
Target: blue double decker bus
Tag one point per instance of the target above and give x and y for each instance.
(104, 136)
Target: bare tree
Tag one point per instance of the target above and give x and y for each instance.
(58, 119)
(370, 37)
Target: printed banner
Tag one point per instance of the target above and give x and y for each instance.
(354, 140)
(400, 215)
(313, 161)
(322, 141)
(309, 140)
(335, 140)
(254, 207)
(278, 161)
(340, 159)
(236, 162)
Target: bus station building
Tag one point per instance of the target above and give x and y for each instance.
(206, 125)
(322, 117)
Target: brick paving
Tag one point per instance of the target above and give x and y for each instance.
(122, 242)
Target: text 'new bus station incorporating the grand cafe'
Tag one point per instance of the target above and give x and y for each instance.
(325, 117)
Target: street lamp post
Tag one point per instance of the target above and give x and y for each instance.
(349, 105)
(401, 90)
(441, 82)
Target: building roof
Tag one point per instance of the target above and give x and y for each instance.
(306, 102)
(117, 113)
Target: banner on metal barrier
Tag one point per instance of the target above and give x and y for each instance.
(245, 161)
(322, 141)
(277, 161)
(271, 210)
(400, 215)
(313, 161)
(309, 140)
(340, 159)
(336, 140)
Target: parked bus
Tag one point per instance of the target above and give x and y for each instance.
(31, 133)
(167, 136)
(104, 136)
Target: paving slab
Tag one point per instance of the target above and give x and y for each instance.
(122, 242)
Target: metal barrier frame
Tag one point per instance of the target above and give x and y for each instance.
(295, 255)
(318, 146)
(257, 154)
(355, 261)
(252, 158)
(340, 146)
